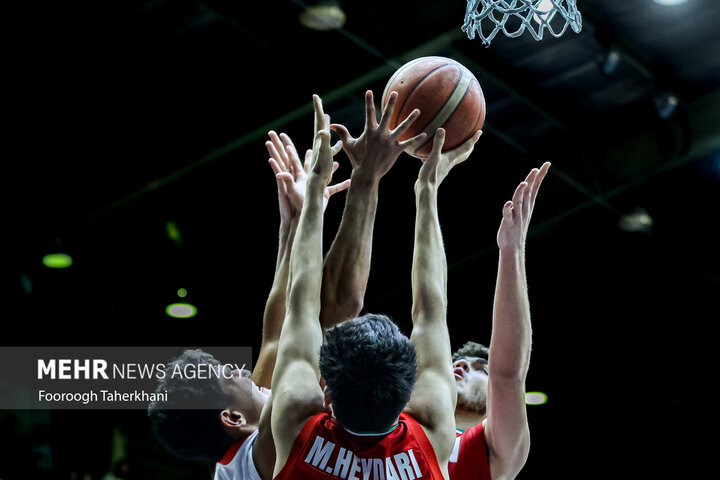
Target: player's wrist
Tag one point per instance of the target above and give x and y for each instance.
(426, 186)
(364, 178)
(512, 250)
(316, 183)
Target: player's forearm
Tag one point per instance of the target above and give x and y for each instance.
(286, 234)
(274, 312)
(347, 264)
(275, 304)
(306, 256)
(433, 399)
(303, 307)
(511, 340)
(429, 272)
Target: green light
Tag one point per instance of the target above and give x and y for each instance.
(535, 398)
(173, 232)
(57, 260)
(182, 293)
(181, 310)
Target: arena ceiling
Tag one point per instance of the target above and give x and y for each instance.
(130, 118)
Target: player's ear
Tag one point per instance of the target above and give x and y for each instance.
(232, 418)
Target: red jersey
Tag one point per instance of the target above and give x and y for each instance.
(324, 449)
(469, 458)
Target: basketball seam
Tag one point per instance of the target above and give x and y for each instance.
(480, 113)
(407, 97)
(459, 81)
(395, 75)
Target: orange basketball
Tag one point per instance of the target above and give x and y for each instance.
(447, 94)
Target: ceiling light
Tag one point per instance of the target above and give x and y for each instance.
(535, 398)
(545, 6)
(325, 15)
(638, 220)
(173, 232)
(57, 260)
(181, 310)
(666, 103)
(670, 2)
(612, 60)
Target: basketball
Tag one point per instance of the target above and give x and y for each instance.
(447, 94)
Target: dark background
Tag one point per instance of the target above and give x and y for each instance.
(122, 116)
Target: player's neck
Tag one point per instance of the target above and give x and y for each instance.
(465, 419)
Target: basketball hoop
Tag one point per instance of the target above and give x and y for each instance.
(514, 16)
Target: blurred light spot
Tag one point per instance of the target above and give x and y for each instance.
(666, 103)
(57, 260)
(173, 232)
(26, 283)
(545, 6)
(327, 15)
(638, 220)
(670, 2)
(181, 310)
(535, 398)
(612, 60)
(182, 293)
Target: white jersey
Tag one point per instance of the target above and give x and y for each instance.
(237, 464)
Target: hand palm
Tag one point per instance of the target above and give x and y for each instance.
(518, 211)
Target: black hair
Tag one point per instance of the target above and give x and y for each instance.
(188, 423)
(471, 349)
(369, 368)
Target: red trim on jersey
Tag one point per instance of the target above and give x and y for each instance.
(323, 440)
(472, 462)
(424, 442)
(230, 454)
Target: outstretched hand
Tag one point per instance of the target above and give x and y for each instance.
(375, 151)
(322, 164)
(438, 164)
(518, 211)
(291, 174)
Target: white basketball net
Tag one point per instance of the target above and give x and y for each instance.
(533, 15)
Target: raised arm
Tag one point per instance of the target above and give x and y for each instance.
(291, 177)
(506, 432)
(372, 154)
(275, 304)
(433, 399)
(296, 392)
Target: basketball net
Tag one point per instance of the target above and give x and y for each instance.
(488, 17)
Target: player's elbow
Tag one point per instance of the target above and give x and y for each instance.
(341, 300)
(510, 368)
(351, 305)
(429, 304)
(519, 456)
(508, 463)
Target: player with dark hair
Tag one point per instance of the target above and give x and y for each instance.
(346, 271)
(471, 349)
(381, 383)
(226, 424)
(203, 430)
(413, 436)
(493, 437)
(472, 357)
